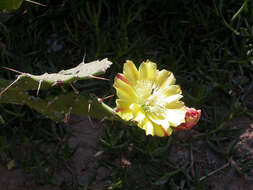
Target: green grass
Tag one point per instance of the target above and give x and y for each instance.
(196, 40)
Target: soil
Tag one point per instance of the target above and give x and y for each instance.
(230, 178)
(85, 162)
(220, 175)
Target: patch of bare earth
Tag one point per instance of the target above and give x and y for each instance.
(215, 168)
(84, 164)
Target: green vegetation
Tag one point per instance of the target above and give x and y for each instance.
(10, 5)
(55, 106)
(206, 44)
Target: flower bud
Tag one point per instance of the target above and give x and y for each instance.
(192, 117)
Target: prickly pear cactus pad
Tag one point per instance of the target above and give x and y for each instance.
(58, 107)
(10, 5)
(26, 81)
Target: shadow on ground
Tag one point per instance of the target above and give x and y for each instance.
(88, 172)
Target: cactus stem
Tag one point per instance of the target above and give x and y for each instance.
(99, 78)
(39, 87)
(5, 89)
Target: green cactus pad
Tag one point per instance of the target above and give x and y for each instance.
(10, 5)
(26, 81)
(59, 106)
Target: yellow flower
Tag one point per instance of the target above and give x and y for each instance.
(150, 98)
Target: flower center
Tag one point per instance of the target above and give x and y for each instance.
(148, 96)
(144, 90)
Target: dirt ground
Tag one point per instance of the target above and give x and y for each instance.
(229, 178)
(85, 163)
(221, 176)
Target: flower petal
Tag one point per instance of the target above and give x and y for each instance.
(162, 77)
(169, 131)
(170, 80)
(157, 118)
(122, 104)
(159, 131)
(124, 89)
(175, 116)
(138, 113)
(148, 127)
(126, 115)
(147, 71)
(172, 99)
(123, 94)
(123, 109)
(170, 90)
(175, 105)
(131, 73)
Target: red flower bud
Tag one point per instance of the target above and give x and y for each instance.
(192, 117)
